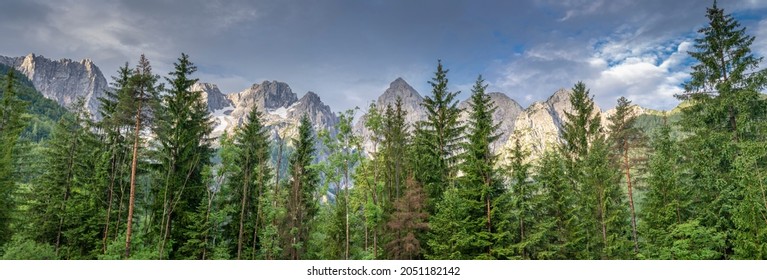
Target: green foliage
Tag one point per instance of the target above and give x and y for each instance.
(183, 150)
(25, 249)
(726, 117)
(525, 226)
(11, 124)
(478, 188)
(437, 139)
(301, 203)
(248, 178)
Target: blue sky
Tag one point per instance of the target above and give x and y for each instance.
(349, 51)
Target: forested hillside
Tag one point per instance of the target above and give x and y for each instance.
(147, 180)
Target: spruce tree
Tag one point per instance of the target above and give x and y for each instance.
(62, 209)
(725, 118)
(248, 176)
(526, 223)
(478, 188)
(301, 204)
(438, 138)
(559, 215)
(183, 127)
(602, 229)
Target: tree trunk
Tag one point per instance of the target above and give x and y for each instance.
(243, 204)
(109, 203)
(132, 199)
(346, 205)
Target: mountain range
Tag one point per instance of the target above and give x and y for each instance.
(538, 126)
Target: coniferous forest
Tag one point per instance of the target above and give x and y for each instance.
(148, 181)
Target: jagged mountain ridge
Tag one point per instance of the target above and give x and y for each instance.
(62, 80)
(538, 126)
(280, 106)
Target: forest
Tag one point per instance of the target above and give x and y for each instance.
(147, 181)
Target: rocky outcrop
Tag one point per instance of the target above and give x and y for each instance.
(506, 113)
(411, 104)
(212, 96)
(281, 109)
(310, 105)
(264, 96)
(539, 127)
(63, 80)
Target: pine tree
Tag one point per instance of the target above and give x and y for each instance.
(301, 205)
(626, 137)
(115, 149)
(726, 117)
(183, 128)
(11, 124)
(601, 230)
(136, 103)
(248, 179)
(479, 186)
(438, 139)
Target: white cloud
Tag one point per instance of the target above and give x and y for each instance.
(647, 72)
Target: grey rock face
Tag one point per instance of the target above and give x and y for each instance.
(319, 114)
(64, 80)
(281, 109)
(539, 127)
(212, 96)
(506, 115)
(265, 96)
(411, 103)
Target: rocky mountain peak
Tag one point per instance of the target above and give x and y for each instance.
(212, 96)
(64, 80)
(401, 88)
(319, 113)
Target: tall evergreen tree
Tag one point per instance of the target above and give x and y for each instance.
(560, 217)
(478, 188)
(526, 223)
(726, 116)
(301, 204)
(136, 103)
(11, 124)
(248, 175)
(115, 150)
(438, 138)
(626, 137)
(182, 128)
(601, 230)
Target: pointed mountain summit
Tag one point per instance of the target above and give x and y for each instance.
(411, 104)
(318, 112)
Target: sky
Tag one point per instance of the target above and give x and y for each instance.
(349, 51)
